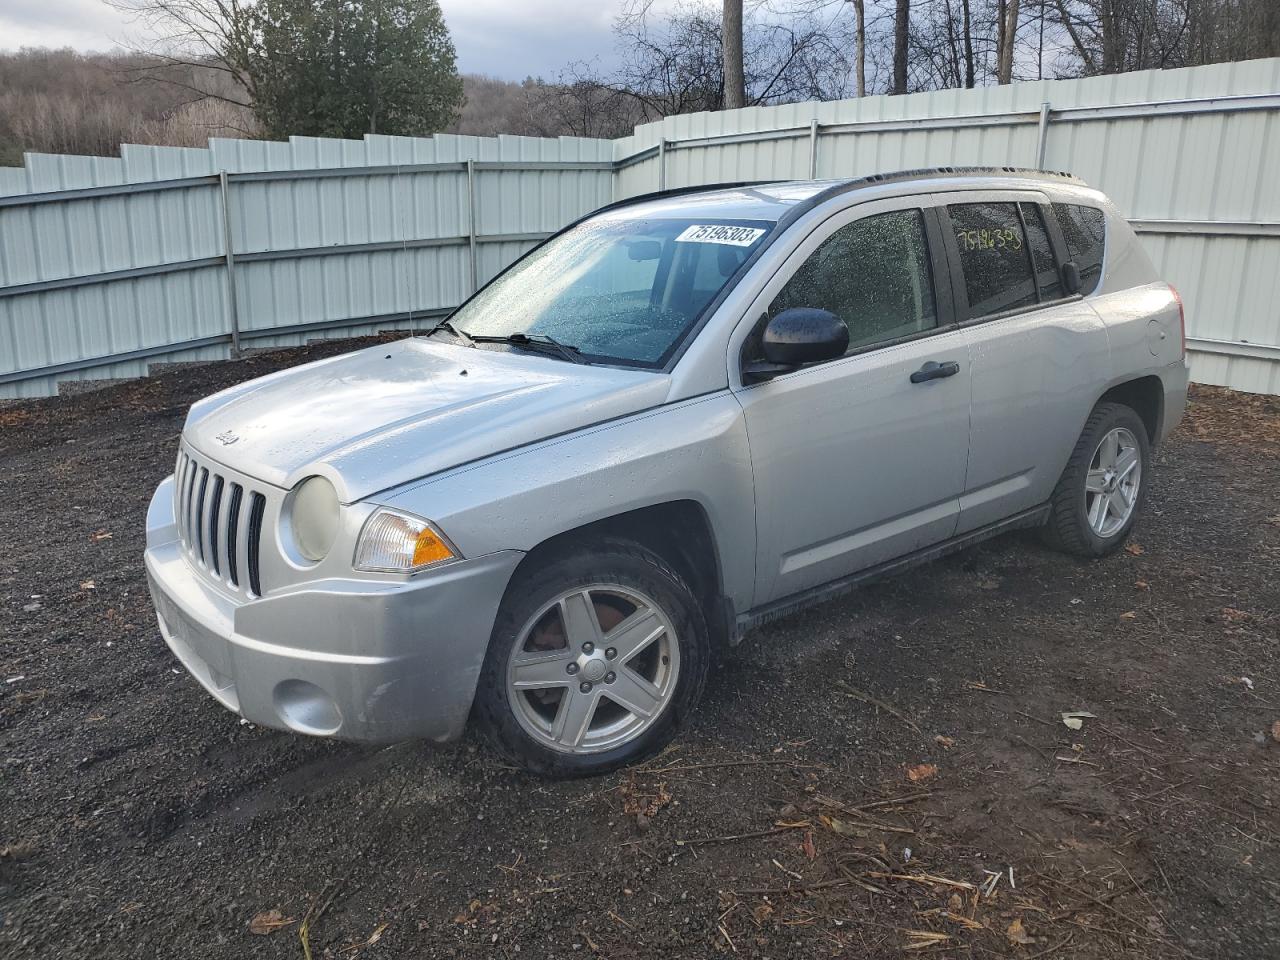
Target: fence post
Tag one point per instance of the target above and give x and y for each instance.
(471, 223)
(1042, 135)
(813, 149)
(662, 164)
(233, 306)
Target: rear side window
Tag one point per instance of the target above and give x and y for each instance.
(1084, 229)
(1046, 268)
(993, 257)
(873, 274)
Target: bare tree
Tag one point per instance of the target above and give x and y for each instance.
(901, 32)
(860, 45)
(735, 84)
(1006, 39)
(214, 34)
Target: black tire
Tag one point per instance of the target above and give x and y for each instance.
(1067, 528)
(539, 581)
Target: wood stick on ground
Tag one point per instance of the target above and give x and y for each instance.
(758, 834)
(807, 887)
(876, 702)
(926, 878)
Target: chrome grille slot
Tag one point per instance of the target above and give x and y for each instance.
(233, 540)
(214, 511)
(219, 529)
(258, 504)
(199, 512)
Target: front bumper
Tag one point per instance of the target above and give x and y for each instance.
(361, 659)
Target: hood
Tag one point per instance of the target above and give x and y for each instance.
(390, 414)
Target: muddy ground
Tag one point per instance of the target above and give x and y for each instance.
(138, 819)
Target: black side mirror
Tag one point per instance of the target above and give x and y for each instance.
(1071, 277)
(798, 336)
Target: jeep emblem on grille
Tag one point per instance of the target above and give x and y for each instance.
(227, 438)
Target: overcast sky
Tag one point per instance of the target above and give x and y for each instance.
(506, 38)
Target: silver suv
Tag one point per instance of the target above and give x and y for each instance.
(680, 416)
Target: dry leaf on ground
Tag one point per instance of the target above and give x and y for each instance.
(807, 846)
(921, 771)
(1275, 731)
(1135, 548)
(1018, 934)
(268, 921)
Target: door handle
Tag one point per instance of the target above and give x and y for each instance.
(935, 371)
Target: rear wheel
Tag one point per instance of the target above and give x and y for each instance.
(1100, 493)
(596, 657)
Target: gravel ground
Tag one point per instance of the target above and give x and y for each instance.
(887, 772)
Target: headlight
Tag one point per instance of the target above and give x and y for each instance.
(395, 542)
(314, 515)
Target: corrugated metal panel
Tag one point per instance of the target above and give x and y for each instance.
(400, 240)
(280, 229)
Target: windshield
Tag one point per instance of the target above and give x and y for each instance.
(617, 290)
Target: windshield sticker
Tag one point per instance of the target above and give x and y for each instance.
(721, 233)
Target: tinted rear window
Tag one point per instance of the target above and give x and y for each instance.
(1084, 229)
(1041, 253)
(993, 257)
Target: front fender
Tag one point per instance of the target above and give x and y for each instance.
(691, 450)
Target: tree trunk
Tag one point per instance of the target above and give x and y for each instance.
(1008, 33)
(860, 45)
(735, 87)
(968, 47)
(901, 26)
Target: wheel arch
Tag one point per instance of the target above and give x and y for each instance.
(681, 532)
(1145, 396)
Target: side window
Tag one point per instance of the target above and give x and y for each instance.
(1084, 229)
(873, 274)
(993, 257)
(1046, 267)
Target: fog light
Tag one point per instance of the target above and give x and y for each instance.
(306, 708)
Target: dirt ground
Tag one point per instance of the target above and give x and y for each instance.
(885, 775)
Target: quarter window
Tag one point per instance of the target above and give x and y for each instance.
(873, 274)
(1046, 267)
(1084, 229)
(993, 257)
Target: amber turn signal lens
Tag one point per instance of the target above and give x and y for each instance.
(429, 548)
(396, 542)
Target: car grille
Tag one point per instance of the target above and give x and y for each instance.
(219, 522)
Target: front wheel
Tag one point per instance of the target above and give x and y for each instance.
(597, 655)
(1100, 493)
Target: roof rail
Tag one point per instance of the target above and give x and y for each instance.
(839, 186)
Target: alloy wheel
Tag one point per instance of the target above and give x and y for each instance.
(1113, 481)
(593, 668)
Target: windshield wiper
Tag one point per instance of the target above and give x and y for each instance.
(538, 340)
(460, 334)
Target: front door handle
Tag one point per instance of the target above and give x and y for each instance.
(935, 371)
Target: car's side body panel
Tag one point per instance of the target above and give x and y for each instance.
(695, 450)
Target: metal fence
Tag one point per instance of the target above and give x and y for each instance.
(107, 264)
(1191, 157)
(192, 254)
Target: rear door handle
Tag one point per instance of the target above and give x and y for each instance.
(935, 371)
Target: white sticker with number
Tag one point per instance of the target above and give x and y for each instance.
(721, 233)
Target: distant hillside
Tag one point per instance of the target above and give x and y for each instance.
(61, 101)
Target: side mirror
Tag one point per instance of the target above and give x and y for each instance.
(799, 336)
(1071, 277)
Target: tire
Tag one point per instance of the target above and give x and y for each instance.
(1078, 522)
(642, 623)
